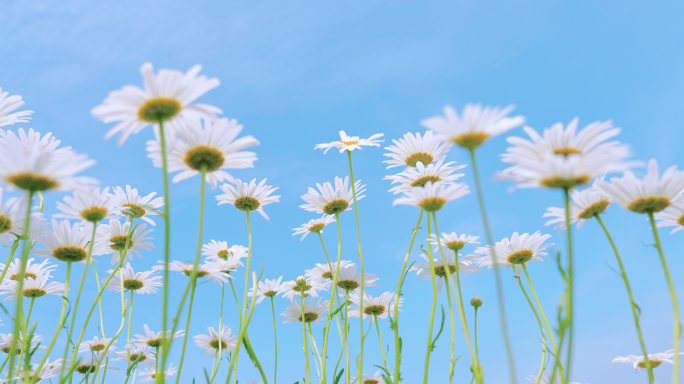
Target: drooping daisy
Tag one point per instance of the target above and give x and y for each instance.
(96, 345)
(466, 264)
(136, 206)
(6, 341)
(212, 342)
(452, 241)
(432, 196)
(111, 239)
(94, 205)
(476, 124)
(584, 205)
(65, 242)
(90, 365)
(13, 219)
(152, 339)
(411, 149)
(48, 371)
(639, 363)
(167, 98)
(351, 143)
(41, 168)
(650, 194)
(150, 373)
(212, 271)
(9, 104)
(32, 288)
(302, 285)
(370, 379)
(212, 146)
(312, 312)
(313, 226)
(267, 288)
(672, 216)
(381, 306)
(228, 266)
(324, 272)
(142, 353)
(31, 270)
(141, 282)
(419, 176)
(219, 250)
(332, 200)
(518, 250)
(248, 197)
(350, 280)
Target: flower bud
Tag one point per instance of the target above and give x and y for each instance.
(476, 302)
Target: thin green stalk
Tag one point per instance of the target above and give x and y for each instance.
(541, 328)
(675, 307)
(363, 275)
(452, 363)
(332, 299)
(187, 327)
(313, 342)
(244, 299)
(397, 295)
(477, 350)
(632, 304)
(28, 316)
(167, 239)
(256, 362)
(346, 336)
(497, 275)
(15, 244)
(382, 345)
(307, 370)
(243, 331)
(103, 354)
(275, 341)
(128, 333)
(433, 280)
(213, 375)
(326, 331)
(570, 313)
(99, 302)
(4, 362)
(62, 319)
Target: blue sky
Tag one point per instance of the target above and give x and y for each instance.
(295, 73)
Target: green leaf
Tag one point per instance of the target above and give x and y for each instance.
(339, 376)
(441, 328)
(206, 375)
(338, 309)
(383, 369)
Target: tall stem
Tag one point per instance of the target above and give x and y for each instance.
(477, 350)
(382, 345)
(220, 346)
(541, 328)
(167, 239)
(497, 275)
(275, 342)
(128, 332)
(453, 332)
(632, 304)
(571, 288)
(363, 276)
(313, 342)
(307, 370)
(675, 307)
(99, 302)
(15, 244)
(397, 295)
(346, 336)
(326, 331)
(433, 280)
(187, 328)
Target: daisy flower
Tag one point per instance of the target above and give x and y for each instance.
(167, 98)
(150, 373)
(90, 205)
(639, 363)
(41, 168)
(351, 143)
(89, 365)
(9, 104)
(267, 288)
(111, 239)
(136, 206)
(31, 270)
(65, 242)
(141, 282)
(248, 197)
(219, 251)
(96, 345)
(370, 379)
(50, 370)
(584, 205)
(212, 271)
(324, 272)
(143, 352)
(419, 176)
(648, 195)
(350, 280)
(312, 312)
(32, 288)
(475, 125)
(332, 200)
(672, 216)
(13, 219)
(152, 339)
(381, 306)
(212, 146)
(466, 264)
(309, 286)
(411, 149)
(452, 240)
(313, 226)
(214, 340)
(518, 250)
(6, 341)
(432, 196)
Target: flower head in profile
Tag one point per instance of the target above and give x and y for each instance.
(212, 271)
(167, 98)
(313, 226)
(312, 312)
(112, 238)
(648, 195)
(96, 345)
(410, 150)
(267, 288)
(219, 251)
(421, 175)
(140, 353)
(380, 307)
(639, 363)
(32, 288)
(584, 205)
(48, 371)
(432, 196)
(65, 242)
(6, 341)
(151, 338)
(452, 241)
(140, 282)
(301, 286)
(350, 280)
(466, 264)
(248, 197)
(351, 143)
(90, 365)
(31, 270)
(131, 204)
(331, 200)
(9, 104)
(13, 219)
(672, 216)
(371, 379)
(212, 145)
(475, 124)
(150, 373)
(88, 205)
(518, 250)
(222, 340)
(324, 272)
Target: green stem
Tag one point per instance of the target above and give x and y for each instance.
(326, 330)
(497, 275)
(397, 295)
(187, 327)
(382, 345)
(243, 330)
(275, 341)
(28, 316)
(307, 370)
(346, 336)
(570, 313)
(313, 342)
(167, 239)
(128, 333)
(675, 307)
(541, 328)
(363, 276)
(477, 350)
(256, 362)
(213, 375)
(433, 280)
(452, 363)
(15, 244)
(99, 302)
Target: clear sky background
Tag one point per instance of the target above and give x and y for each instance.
(295, 73)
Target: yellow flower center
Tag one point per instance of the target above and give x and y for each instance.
(423, 157)
(316, 228)
(31, 182)
(154, 343)
(420, 182)
(654, 363)
(223, 254)
(212, 159)
(134, 357)
(350, 142)
(270, 293)
(563, 183)
(246, 203)
(94, 214)
(6, 350)
(32, 293)
(680, 221)
(69, 253)
(309, 317)
(97, 347)
(86, 368)
(471, 140)
(215, 344)
(455, 245)
(5, 224)
(374, 310)
(336, 206)
(188, 271)
(15, 277)
(135, 211)
(132, 284)
(594, 209)
(118, 243)
(440, 270)
(348, 285)
(649, 204)
(566, 151)
(159, 109)
(432, 204)
(370, 381)
(520, 257)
